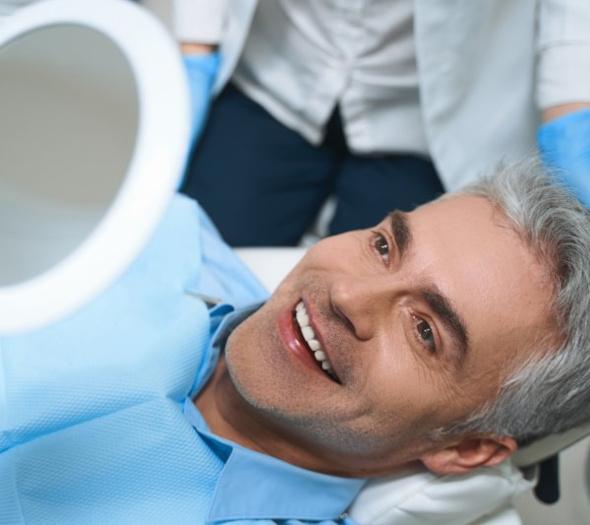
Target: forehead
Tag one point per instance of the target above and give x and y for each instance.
(469, 250)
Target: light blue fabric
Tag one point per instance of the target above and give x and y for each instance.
(96, 424)
(201, 72)
(223, 276)
(565, 148)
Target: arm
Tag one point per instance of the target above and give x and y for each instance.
(563, 54)
(198, 25)
(563, 91)
(555, 112)
(191, 48)
(199, 21)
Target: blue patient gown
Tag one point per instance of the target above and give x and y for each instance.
(93, 427)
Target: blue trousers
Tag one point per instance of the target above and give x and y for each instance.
(263, 184)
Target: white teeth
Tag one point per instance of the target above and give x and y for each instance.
(302, 318)
(314, 344)
(303, 321)
(307, 332)
(319, 355)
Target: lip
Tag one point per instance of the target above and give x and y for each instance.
(291, 338)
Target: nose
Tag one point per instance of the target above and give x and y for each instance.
(361, 303)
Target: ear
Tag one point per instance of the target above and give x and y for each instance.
(469, 454)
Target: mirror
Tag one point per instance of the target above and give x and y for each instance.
(69, 117)
(94, 134)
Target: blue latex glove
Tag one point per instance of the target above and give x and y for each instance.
(201, 71)
(565, 148)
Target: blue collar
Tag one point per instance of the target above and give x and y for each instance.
(253, 485)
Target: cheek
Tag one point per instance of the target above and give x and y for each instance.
(402, 390)
(415, 389)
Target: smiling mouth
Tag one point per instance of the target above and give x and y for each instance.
(311, 342)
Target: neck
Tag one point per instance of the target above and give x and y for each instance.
(229, 416)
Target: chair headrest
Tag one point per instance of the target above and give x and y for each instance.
(548, 446)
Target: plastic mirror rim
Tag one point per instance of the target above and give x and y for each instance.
(154, 170)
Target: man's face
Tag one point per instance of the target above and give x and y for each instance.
(420, 319)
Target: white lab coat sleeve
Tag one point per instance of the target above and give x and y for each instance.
(199, 21)
(563, 50)
(505, 516)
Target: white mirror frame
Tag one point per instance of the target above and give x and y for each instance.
(154, 171)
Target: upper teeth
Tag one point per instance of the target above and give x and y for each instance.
(309, 336)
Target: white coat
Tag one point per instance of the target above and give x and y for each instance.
(486, 69)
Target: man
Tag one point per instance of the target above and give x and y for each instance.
(443, 337)
(416, 323)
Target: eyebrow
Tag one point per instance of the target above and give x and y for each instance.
(438, 303)
(443, 308)
(400, 230)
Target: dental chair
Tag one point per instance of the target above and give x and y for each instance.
(91, 157)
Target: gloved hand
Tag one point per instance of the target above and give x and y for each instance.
(565, 148)
(201, 71)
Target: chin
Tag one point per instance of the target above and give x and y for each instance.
(254, 373)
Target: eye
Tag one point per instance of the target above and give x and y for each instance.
(381, 246)
(425, 334)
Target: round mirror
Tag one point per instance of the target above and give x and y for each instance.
(94, 129)
(69, 116)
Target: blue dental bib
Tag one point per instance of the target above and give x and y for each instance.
(91, 421)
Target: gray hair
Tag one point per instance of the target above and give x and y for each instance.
(550, 392)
